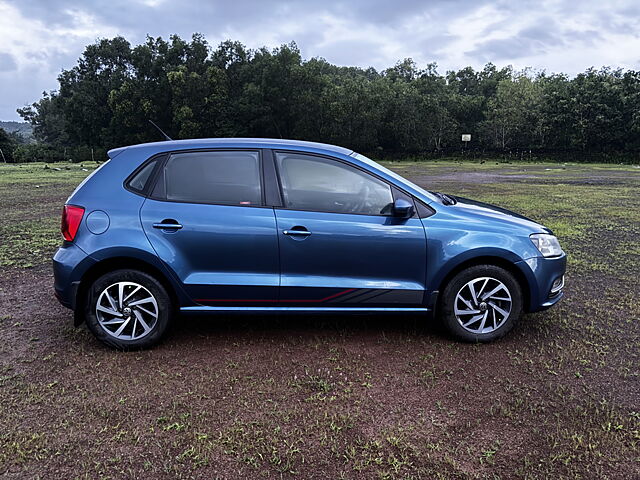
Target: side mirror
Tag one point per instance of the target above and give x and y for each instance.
(402, 208)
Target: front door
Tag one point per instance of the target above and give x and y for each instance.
(339, 244)
(206, 221)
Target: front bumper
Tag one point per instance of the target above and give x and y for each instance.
(541, 275)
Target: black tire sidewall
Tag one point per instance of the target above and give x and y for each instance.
(150, 283)
(447, 301)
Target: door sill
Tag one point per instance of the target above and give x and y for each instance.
(205, 309)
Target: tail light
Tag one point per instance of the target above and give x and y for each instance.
(71, 218)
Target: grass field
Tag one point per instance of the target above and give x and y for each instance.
(335, 396)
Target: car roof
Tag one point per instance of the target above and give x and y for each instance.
(235, 143)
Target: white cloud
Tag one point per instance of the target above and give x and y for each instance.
(39, 53)
(32, 42)
(569, 41)
(152, 3)
(38, 40)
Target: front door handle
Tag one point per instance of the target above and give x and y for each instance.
(168, 224)
(302, 233)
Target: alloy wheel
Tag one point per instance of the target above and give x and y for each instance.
(482, 305)
(127, 311)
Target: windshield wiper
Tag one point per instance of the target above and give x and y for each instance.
(445, 199)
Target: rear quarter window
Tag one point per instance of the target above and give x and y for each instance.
(138, 182)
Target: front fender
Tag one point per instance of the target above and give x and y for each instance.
(450, 264)
(455, 238)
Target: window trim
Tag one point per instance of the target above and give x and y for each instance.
(270, 182)
(423, 210)
(151, 181)
(391, 186)
(272, 192)
(167, 154)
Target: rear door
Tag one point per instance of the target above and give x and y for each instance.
(340, 246)
(207, 221)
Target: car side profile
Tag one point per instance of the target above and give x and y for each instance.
(246, 225)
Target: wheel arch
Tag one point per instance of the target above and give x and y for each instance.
(116, 263)
(497, 261)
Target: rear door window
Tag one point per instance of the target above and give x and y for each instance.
(225, 177)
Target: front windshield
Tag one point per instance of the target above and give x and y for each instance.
(395, 176)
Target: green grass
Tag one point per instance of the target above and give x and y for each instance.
(337, 397)
(32, 199)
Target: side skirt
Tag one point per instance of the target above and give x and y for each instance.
(205, 309)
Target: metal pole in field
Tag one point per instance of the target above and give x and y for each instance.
(466, 138)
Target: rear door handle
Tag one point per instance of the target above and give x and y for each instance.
(302, 233)
(168, 225)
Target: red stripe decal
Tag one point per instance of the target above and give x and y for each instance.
(239, 300)
(231, 300)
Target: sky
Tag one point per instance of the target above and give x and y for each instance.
(40, 38)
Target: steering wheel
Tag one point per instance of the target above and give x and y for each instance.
(363, 204)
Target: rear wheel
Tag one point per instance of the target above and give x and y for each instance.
(128, 309)
(481, 303)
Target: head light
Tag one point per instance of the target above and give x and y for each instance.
(547, 244)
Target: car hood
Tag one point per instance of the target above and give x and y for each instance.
(493, 213)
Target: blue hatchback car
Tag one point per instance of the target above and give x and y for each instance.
(220, 225)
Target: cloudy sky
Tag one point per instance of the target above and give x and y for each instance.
(39, 38)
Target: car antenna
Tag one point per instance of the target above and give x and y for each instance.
(160, 130)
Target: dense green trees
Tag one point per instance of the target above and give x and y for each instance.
(192, 90)
(6, 146)
(10, 142)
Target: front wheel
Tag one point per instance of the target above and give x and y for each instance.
(128, 309)
(481, 303)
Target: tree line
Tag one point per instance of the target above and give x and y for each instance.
(193, 90)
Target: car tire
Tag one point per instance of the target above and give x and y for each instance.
(128, 309)
(481, 303)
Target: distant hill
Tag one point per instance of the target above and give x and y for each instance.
(23, 128)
